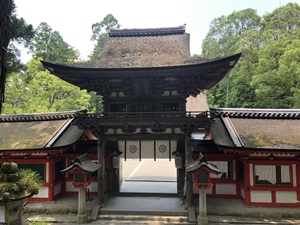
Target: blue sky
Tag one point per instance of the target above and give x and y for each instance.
(73, 18)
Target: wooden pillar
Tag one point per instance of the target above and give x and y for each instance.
(101, 170)
(247, 182)
(278, 174)
(188, 176)
(51, 174)
(298, 181)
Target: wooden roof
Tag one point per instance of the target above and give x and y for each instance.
(146, 32)
(37, 131)
(257, 129)
(201, 163)
(161, 55)
(82, 162)
(185, 79)
(131, 48)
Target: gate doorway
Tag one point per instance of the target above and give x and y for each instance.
(147, 166)
(148, 176)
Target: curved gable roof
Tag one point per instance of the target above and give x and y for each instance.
(260, 129)
(37, 131)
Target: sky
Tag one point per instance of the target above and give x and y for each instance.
(73, 19)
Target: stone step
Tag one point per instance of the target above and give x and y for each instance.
(121, 212)
(144, 219)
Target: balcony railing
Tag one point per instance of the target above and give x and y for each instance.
(144, 115)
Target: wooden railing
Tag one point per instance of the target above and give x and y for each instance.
(144, 115)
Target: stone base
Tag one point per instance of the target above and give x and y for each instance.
(202, 220)
(11, 212)
(82, 219)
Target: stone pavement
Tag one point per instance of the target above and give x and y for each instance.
(220, 211)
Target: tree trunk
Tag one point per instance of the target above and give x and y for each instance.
(5, 14)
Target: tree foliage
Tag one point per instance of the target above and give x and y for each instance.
(100, 33)
(50, 46)
(35, 90)
(5, 13)
(38, 91)
(21, 35)
(267, 75)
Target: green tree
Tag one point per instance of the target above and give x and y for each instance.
(276, 80)
(50, 46)
(241, 93)
(100, 33)
(266, 75)
(5, 13)
(227, 36)
(21, 34)
(95, 105)
(14, 32)
(15, 93)
(284, 19)
(226, 31)
(43, 92)
(290, 70)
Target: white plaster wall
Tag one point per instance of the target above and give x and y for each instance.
(165, 155)
(147, 149)
(178, 131)
(119, 131)
(93, 187)
(132, 155)
(57, 189)
(168, 131)
(226, 189)
(43, 193)
(286, 196)
(110, 131)
(261, 196)
(196, 191)
(243, 193)
(69, 187)
(208, 191)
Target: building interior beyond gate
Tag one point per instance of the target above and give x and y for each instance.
(148, 176)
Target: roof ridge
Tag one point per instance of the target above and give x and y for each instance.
(256, 112)
(133, 32)
(38, 116)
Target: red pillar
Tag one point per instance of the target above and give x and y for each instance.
(247, 183)
(51, 180)
(298, 181)
(101, 170)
